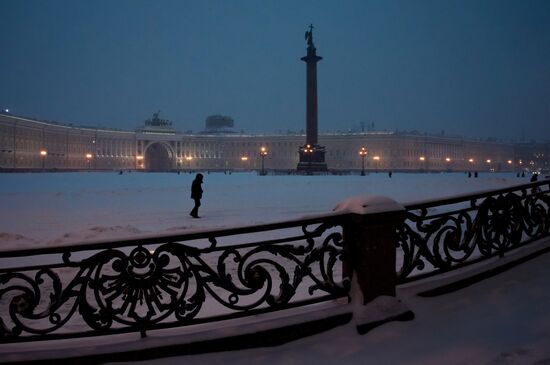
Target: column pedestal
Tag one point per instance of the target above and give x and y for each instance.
(312, 159)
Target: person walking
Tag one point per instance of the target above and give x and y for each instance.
(196, 195)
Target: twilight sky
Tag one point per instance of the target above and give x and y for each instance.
(477, 68)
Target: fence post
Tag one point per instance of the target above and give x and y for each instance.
(371, 234)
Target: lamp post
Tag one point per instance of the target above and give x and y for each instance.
(43, 155)
(189, 159)
(263, 153)
(308, 151)
(471, 164)
(422, 160)
(89, 160)
(244, 160)
(363, 154)
(377, 159)
(139, 161)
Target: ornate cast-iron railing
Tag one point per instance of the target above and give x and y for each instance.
(442, 235)
(154, 283)
(171, 281)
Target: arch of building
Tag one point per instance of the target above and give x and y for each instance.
(159, 156)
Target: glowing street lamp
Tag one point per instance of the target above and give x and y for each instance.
(43, 154)
(89, 159)
(189, 159)
(244, 160)
(263, 153)
(422, 160)
(139, 161)
(489, 163)
(448, 163)
(363, 154)
(308, 153)
(377, 159)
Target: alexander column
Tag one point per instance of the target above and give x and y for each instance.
(312, 155)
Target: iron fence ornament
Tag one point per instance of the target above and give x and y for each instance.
(162, 282)
(486, 225)
(114, 292)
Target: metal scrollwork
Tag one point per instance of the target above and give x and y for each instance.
(155, 283)
(135, 289)
(438, 237)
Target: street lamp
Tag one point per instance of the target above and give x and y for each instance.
(263, 153)
(422, 163)
(448, 163)
(43, 154)
(363, 154)
(139, 161)
(377, 159)
(189, 159)
(308, 151)
(244, 160)
(89, 160)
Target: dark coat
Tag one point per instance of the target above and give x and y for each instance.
(196, 189)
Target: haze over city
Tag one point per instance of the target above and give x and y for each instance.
(471, 68)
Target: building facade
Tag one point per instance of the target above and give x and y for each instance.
(34, 145)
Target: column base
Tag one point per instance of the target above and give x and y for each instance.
(312, 159)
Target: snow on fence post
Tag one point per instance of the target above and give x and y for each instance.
(372, 238)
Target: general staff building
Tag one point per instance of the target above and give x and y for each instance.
(28, 144)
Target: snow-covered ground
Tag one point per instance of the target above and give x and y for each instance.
(502, 320)
(60, 208)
